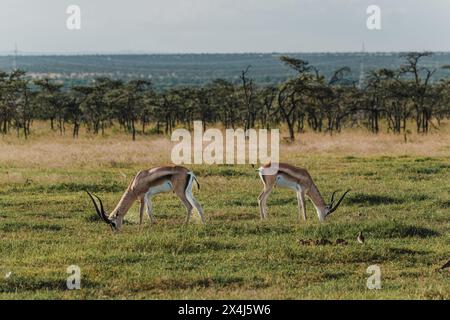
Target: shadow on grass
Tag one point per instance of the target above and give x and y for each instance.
(93, 218)
(258, 229)
(20, 226)
(184, 284)
(421, 170)
(283, 201)
(242, 216)
(253, 203)
(21, 284)
(335, 275)
(372, 199)
(427, 170)
(225, 171)
(66, 187)
(219, 281)
(380, 230)
(191, 247)
(405, 251)
(444, 204)
(426, 159)
(180, 247)
(388, 230)
(242, 203)
(92, 187)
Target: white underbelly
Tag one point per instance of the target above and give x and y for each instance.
(287, 183)
(164, 187)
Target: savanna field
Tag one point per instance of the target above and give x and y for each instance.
(400, 200)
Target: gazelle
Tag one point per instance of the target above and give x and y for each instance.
(299, 180)
(148, 183)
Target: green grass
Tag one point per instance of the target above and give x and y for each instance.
(400, 203)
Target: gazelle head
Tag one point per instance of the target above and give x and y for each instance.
(331, 207)
(115, 222)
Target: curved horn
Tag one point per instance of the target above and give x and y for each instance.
(101, 213)
(339, 202)
(332, 198)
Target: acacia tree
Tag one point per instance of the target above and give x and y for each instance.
(268, 114)
(420, 88)
(16, 102)
(25, 106)
(248, 89)
(443, 110)
(96, 108)
(51, 102)
(74, 98)
(8, 98)
(388, 96)
(223, 98)
(325, 101)
(148, 100)
(376, 93)
(167, 109)
(293, 92)
(127, 103)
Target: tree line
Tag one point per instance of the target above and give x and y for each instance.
(307, 101)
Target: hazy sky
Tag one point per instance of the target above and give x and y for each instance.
(223, 26)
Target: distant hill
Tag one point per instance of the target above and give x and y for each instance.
(169, 70)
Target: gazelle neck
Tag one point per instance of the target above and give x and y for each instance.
(317, 200)
(124, 204)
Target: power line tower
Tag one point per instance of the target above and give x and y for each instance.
(361, 67)
(14, 67)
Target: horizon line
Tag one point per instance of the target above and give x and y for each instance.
(100, 53)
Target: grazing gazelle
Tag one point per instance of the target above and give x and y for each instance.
(148, 183)
(300, 181)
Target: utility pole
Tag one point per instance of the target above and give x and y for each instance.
(14, 67)
(361, 67)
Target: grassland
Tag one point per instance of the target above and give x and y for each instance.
(400, 200)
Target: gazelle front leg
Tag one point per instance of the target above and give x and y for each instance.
(262, 212)
(148, 204)
(301, 204)
(269, 182)
(189, 209)
(262, 200)
(141, 212)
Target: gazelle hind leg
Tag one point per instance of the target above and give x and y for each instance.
(301, 204)
(197, 206)
(181, 193)
(149, 205)
(189, 208)
(190, 197)
(141, 212)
